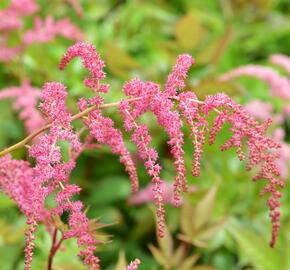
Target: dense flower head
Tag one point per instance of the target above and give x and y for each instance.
(101, 128)
(259, 148)
(178, 75)
(152, 99)
(18, 182)
(29, 185)
(149, 155)
(53, 103)
(91, 61)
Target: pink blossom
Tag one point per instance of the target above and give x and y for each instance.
(91, 61)
(101, 128)
(162, 107)
(147, 194)
(11, 17)
(133, 265)
(9, 20)
(178, 75)
(46, 30)
(26, 102)
(198, 126)
(24, 7)
(259, 147)
(18, 182)
(142, 139)
(281, 60)
(8, 53)
(53, 106)
(53, 173)
(259, 109)
(284, 161)
(279, 84)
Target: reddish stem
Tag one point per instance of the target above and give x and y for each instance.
(54, 247)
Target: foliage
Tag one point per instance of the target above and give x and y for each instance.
(143, 38)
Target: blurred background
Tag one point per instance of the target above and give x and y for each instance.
(223, 224)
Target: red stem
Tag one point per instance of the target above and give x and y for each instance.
(54, 247)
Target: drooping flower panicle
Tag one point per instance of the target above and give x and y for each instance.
(30, 185)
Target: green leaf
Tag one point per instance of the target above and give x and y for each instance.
(255, 248)
(121, 264)
(64, 149)
(189, 31)
(159, 257)
(189, 262)
(166, 243)
(203, 209)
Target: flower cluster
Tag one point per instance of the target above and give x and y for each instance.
(51, 173)
(12, 20)
(279, 86)
(26, 99)
(46, 30)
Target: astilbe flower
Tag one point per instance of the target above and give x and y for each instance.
(279, 84)
(284, 160)
(259, 109)
(11, 17)
(8, 53)
(189, 109)
(18, 182)
(54, 172)
(259, 147)
(100, 127)
(133, 265)
(281, 60)
(146, 194)
(26, 99)
(77, 7)
(91, 61)
(159, 103)
(46, 30)
(51, 172)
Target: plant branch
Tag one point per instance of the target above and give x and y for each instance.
(44, 128)
(54, 247)
(79, 115)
